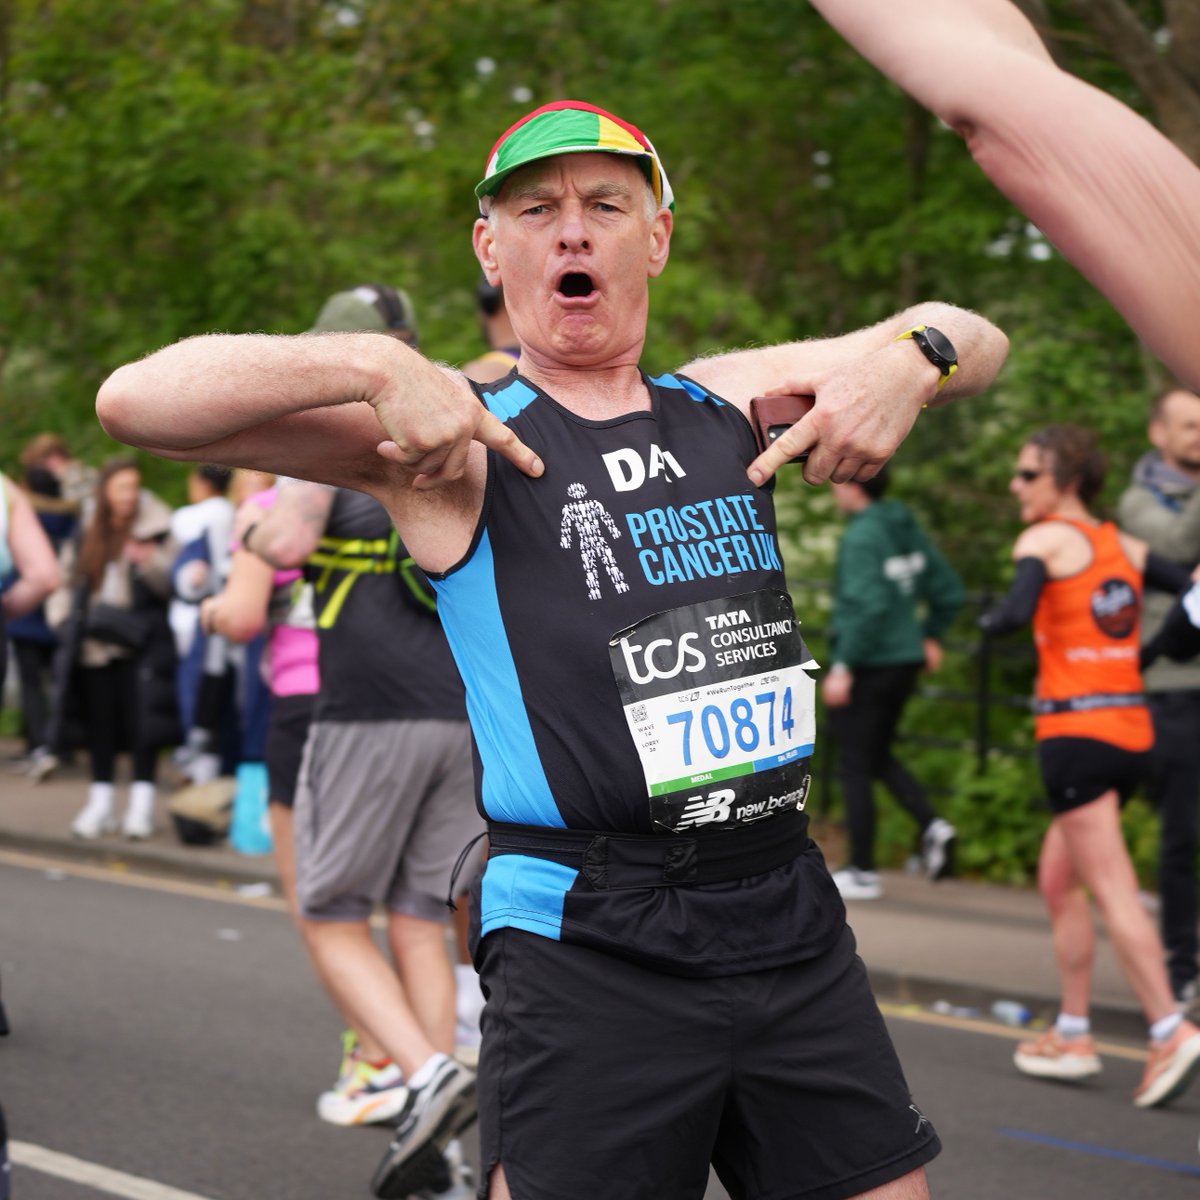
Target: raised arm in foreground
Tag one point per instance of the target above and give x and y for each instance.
(1116, 197)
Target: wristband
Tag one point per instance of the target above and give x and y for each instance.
(246, 536)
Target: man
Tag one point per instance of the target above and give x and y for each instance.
(1162, 507)
(1113, 195)
(384, 802)
(666, 712)
(894, 597)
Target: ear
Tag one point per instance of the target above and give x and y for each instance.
(1156, 434)
(483, 242)
(660, 241)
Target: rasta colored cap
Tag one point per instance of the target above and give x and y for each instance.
(572, 127)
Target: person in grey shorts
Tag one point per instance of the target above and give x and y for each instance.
(385, 802)
(381, 809)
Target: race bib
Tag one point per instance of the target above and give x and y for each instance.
(721, 706)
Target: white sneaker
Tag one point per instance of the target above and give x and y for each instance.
(858, 885)
(937, 848)
(42, 764)
(139, 816)
(96, 817)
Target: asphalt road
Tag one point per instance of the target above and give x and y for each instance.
(168, 1044)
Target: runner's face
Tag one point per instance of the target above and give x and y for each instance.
(1033, 484)
(574, 245)
(121, 490)
(1176, 432)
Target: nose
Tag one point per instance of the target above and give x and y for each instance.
(572, 233)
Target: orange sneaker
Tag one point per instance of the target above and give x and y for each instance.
(1053, 1056)
(1170, 1067)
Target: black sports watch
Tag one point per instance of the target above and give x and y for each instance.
(936, 347)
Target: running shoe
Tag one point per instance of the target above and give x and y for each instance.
(937, 849)
(855, 884)
(1053, 1056)
(459, 1182)
(365, 1093)
(1170, 1067)
(432, 1117)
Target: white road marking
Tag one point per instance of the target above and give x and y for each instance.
(103, 1179)
(911, 1012)
(120, 873)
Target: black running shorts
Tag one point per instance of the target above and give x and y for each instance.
(600, 1078)
(286, 734)
(1076, 771)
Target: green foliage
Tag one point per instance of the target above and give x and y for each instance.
(168, 169)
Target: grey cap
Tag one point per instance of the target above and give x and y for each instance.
(368, 307)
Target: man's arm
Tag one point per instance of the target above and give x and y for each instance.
(289, 531)
(358, 410)
(1115, 197)
(869, 388)
(350, 409)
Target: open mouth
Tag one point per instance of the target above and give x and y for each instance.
(576, 284)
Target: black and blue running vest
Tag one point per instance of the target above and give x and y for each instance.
(632, 665)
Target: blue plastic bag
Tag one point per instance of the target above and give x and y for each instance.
(249, 830)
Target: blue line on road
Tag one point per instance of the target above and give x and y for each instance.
(1023, 1135)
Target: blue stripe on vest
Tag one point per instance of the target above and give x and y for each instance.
(524, 893)
(686, 385)
(509, 401)
(470, 611)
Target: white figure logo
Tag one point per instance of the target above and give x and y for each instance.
(588, 519)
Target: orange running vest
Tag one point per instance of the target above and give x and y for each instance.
(1086, 632)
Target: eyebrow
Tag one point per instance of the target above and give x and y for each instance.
(537, 190)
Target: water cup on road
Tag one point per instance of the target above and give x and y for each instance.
(1010, 1012)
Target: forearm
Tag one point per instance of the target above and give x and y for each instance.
(239, 612)
(1104, 186)
(1017, 607)
(887, 365)
(287, 534)
(25, 595)
(1165, 575)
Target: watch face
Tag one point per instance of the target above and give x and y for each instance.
(941, 345)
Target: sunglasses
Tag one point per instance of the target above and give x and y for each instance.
(1026, 475)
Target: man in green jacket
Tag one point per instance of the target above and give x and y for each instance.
(894, 595)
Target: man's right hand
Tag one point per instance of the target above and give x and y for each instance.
(431, 434)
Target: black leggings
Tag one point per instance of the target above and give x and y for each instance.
(110, 699)
(34, 660)
(865, 729)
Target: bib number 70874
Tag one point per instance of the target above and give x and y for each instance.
(764, 721)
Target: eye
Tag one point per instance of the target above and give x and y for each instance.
(534, 210)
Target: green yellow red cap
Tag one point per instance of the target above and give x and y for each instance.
(572, 127)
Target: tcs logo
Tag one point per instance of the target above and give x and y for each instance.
(662, 658)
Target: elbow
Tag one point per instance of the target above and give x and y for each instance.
(50, 578)
(116, 408)
(238, 627)
(286, 548)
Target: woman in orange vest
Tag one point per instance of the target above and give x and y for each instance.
(1080, 579)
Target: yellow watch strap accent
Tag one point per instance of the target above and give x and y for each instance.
(953, 366)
